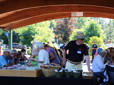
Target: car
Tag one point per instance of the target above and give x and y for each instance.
(17, 46)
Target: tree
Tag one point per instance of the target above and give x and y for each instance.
(39, 31)
(81, 22)
(5, 38)
(93, 29)
(64, 28)
(27, 36)
(43, 33)
(99, 42)
(53, 24)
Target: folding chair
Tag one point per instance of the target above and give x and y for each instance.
(110, 72)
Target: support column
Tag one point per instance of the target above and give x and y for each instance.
(10, 39)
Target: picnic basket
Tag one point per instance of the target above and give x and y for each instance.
(49, 70)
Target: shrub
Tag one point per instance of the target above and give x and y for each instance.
(99, 42)
(29, 52)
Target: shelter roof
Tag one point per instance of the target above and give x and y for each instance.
(19, 13)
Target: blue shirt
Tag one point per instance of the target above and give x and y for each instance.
(4, 60)
(94, 46)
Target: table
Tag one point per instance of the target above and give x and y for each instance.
(43, 81)
(20, 73)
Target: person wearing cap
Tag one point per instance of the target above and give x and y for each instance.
(94, 48)
(98, 50)
(13, 55)
(4, 59)
(76, 49)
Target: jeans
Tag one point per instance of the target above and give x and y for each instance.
(101, 75)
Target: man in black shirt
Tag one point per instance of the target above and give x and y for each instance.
(76, 51)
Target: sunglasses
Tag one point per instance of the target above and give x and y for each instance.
(82, 39)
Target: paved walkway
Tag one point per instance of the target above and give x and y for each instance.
(84, 67)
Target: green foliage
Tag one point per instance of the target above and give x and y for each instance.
(53, 24)
(43, 33)
(93, 29)
(64, 29)
(109, 31)
(99, 42)
(39, 31)
(29, 52)
(26, 36)
(81, 22)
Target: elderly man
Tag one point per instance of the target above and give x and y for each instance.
(98, 64)
(43, 56)
(4, 59)
(76, 49)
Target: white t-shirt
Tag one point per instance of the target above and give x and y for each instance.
(43, 56)
(110, 45)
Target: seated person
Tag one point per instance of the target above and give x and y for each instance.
(5, 61)
(98, 50)
(17, 58)
(98, 64)
(107, 57)
(23, 57)
(34, 56)
(12, 56)
(113, 60)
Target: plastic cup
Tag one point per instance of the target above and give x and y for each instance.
(81, 71)
(68, 74)
(76, 74)
(58, 74)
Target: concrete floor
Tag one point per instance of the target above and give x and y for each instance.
(84, 67)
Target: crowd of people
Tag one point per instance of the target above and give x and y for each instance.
(69, 56)
(11, 57)
(42, 54)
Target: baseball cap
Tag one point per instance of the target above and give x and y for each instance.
(99, 49)
(6, 50)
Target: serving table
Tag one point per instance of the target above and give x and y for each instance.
(30, 77)
(20, 73)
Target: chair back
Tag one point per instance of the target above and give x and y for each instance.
(110, 72)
